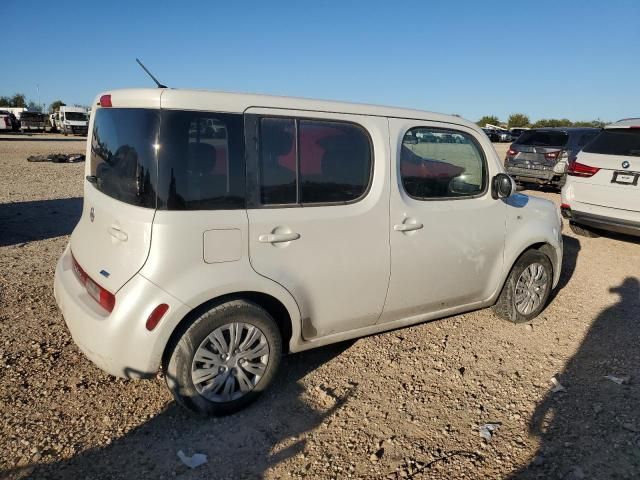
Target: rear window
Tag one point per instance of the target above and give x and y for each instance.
(543, 138)
(171, 160)
(123, 157)
(616, 141)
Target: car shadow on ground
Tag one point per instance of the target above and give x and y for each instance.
(571, 249)
(237, 446)
(24, 222)
(592, 429)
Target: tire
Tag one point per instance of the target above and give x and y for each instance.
(582, 231)
(506, 307)
(245, 316)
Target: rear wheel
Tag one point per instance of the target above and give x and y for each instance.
(225, 359)
(582, 231)
(527, 289)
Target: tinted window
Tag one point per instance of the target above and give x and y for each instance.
(442, 164)
(616, 141)
(123, 158)
(311, 162)
(201, 161)
(543, 138)
(335, 162)
(586, 138)
(278, 161)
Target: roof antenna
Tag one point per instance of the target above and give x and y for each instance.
(151, 75)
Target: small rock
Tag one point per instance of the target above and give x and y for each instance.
(529, 327)
(377, 455)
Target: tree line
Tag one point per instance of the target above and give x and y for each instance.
(20, 100)
(520, 120)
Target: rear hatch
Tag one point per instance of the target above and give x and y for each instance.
(537, 149)
(607, 170)
(112, 240)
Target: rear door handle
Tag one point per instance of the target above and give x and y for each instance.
(407, 227)
(278, 237)
(115, 232)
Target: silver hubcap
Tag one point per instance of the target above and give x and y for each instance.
(530, 288)
(230, 362)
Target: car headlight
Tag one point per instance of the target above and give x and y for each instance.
(560, 167)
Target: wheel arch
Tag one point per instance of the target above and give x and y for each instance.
(543, 247)
(269, 303)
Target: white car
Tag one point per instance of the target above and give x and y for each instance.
(221, 230)
(603, 182)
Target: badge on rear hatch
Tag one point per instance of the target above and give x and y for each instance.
(625, 164)
(92, 215)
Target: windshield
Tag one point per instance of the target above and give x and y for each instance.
(616, 141)
(543, 138)
(75, 116)
(169, 159)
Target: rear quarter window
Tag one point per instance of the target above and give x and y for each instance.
(616, 141)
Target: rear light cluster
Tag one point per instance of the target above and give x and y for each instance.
(511, 152)
(580, 169)
(107, 300)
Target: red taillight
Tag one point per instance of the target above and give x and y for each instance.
(106, 299)
(511, 152)
(552, 155)
(156, 316)
(105, 101)
(581, 170)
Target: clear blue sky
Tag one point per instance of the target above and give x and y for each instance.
(575, 59)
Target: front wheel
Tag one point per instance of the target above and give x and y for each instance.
(225, 359)
(527, 289)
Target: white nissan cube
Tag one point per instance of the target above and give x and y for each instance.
(221, 230)
(602, 191)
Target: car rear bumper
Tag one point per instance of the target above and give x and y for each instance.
(531, 175)
(628, 227)
(117, 342)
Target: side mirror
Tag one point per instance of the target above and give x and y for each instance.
(502, 186)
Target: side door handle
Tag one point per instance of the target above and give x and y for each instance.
(407, 227)
(116, 233)
(278, 237)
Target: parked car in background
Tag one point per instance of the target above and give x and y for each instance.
(492, 134)
(33, 121)
(603, 182)
(505, 136)
(212, 241)
(540, 155)
(72, 120)
(8, 121)
(5, 121)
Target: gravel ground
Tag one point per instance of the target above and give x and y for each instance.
(405, 404)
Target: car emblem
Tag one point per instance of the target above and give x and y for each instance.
(625, 164)
(92, 215)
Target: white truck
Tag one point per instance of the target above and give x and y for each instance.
(72, 120)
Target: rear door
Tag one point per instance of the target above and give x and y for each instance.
(111, 242)
(319, 213)
(614, 156)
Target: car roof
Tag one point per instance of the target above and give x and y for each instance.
(564, 129)
(625, 123)
(208, 100)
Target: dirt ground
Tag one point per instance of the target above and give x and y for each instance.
(404, 404)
